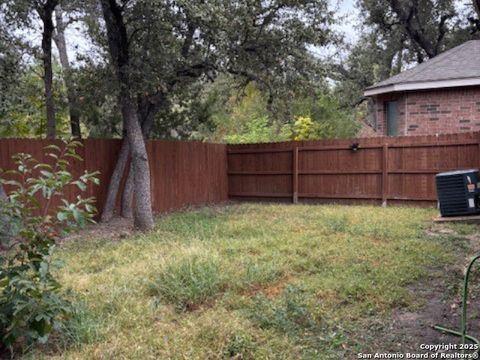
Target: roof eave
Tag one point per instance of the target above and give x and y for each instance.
(423, 85)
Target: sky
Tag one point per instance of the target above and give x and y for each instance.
(347, 9)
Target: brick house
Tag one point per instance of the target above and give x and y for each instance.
(441, 95)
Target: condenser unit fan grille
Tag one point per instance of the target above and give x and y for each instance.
(454, 195)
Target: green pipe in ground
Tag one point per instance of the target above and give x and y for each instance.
(463, 330)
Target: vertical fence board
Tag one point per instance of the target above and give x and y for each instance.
(385, 189)
(295, 175)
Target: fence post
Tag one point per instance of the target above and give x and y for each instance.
(85, 143)
(384, 174)
(295, 175)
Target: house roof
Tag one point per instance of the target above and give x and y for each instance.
(459, 66)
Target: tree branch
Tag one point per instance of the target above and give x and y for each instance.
(408, 19)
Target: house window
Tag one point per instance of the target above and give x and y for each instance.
(391, 115)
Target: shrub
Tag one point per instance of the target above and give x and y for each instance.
(190, 281)
(31, 303)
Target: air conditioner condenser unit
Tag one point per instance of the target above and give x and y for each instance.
(458, 192)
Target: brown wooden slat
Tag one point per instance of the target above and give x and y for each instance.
(336, 147)
(385, 184)
(303, 172)
(339, 172)
(257, 151)
(295, 175)
(258, 173)
(422, 171)
(404, 198)
(338, 196)
(267, 195)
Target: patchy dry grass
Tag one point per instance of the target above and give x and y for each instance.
(248, 282)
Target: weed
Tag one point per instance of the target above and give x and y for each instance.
(239, 346)
(337, 223)
(259, 274)
(289, 315)
(190, 281)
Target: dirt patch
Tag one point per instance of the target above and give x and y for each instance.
(270, 291)
(119, 228)
(440, 304)
(116, 229)
(275, 290)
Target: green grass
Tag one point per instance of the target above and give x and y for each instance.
(189, 280)
(248, 281)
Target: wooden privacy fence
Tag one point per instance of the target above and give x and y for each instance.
(192, 173)
(400, 169)
(182, 173)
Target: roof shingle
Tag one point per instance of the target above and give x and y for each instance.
(460, 62)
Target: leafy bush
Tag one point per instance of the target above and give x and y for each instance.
(31, 303)
(256, 130)
(190, 281)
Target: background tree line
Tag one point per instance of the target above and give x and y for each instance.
(46, 92)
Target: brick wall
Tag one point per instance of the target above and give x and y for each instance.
(430, 112)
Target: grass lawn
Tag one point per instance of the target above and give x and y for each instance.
(250, 281)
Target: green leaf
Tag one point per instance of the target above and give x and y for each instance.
(62, 216)
(42, 166)
(43, 269)
(52, 147)
(43, 328)
(81, 185)
(46, 173)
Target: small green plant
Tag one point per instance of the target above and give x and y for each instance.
(337, 223)
(31, 302)
(259, 274)
(289, 315)
(239, 346)
(190, 281)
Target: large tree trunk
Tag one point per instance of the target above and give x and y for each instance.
(45, 12)
(61, 44)
(142, 211)
(128, 193)
(115, 180)
(119, 51)
(147, 110)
